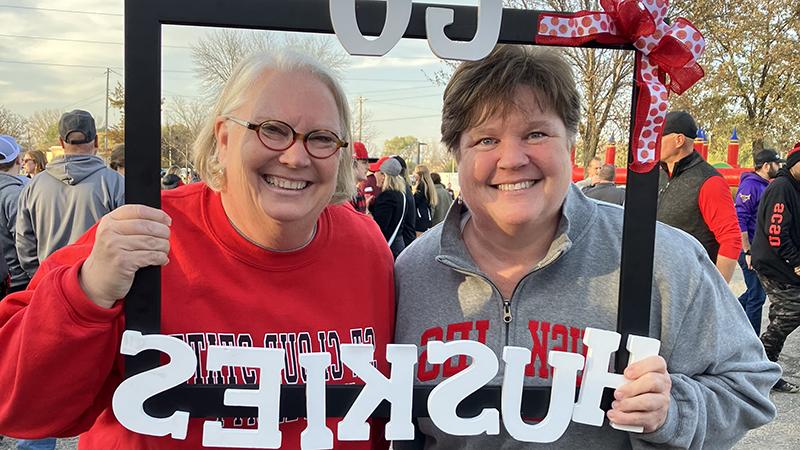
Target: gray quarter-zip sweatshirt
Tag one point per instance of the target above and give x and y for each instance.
(720, 375)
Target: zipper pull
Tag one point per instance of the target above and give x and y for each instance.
(507, 311)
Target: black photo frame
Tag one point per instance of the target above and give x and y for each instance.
(143, 22)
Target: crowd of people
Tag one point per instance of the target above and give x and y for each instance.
(403, 208)
(290, 240)
(763, 239)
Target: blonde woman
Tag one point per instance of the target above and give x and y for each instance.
(425, 198)
(389, 208)
(266, 228)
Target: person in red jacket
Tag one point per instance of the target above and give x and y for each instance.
(262, 254)
(694, 197)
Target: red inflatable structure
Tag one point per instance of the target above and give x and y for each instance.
(732, 173)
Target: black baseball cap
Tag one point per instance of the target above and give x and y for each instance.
(766, 156)
(77, 121)
(680, 122)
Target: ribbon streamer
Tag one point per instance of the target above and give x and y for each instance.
(667, 58)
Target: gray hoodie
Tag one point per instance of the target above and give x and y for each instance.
(61, 203)
(10, 187)
(720, 375)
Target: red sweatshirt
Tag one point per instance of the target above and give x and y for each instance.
(59, 353)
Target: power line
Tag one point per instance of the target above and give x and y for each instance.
(84, 41)
(386, 79)
(399, 105)
(407, 118)
(381, 91)
(32, 8)
(83, 66)
(407, 98)
(93, 99)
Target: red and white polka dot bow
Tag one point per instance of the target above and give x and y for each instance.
(663, 49)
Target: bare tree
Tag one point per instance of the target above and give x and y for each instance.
(12, 124)
(217, 53)
(43, 126)
(752, 81)
(190, 113)
(604, 77)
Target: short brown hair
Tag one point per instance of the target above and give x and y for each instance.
(480, 89)
(117, 158)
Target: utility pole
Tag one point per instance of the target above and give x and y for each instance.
(419, 153)
(105, 145)
(360, 117)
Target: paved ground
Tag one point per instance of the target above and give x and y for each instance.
(781, 434)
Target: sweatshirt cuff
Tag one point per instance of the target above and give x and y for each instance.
(80, 303)
(671, 427)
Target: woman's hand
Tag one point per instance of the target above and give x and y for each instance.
(127, 239)
(645, 400)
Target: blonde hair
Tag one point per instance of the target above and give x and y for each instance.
(394, 183)
(425, 182)
(235, 94)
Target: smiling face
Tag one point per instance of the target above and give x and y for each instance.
(265, 189)
(514, 169)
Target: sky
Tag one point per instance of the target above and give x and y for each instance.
(54, 55)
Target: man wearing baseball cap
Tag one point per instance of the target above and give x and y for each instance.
(694, 197)
(72, 194)
(776, 258)
(11, 185)
(747, 198)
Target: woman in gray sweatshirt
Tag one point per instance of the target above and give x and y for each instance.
(527, 261)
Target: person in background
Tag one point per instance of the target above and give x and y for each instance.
(80, 188)
(389, 208)
(591, 171)
(694, 197)
(409, 229)
(776, 258)
(117, 159)
(527, 260)
(444, 200)
(766, 164)
(425, 198)
(33, 162)
(360, 168)
(175, 170)
(264, 247)
(170, 181)
(11, 185)
(603, 187)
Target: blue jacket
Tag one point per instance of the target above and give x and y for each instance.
(751, 186)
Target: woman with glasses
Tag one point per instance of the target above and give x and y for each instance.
(33, 162)
(261, 254)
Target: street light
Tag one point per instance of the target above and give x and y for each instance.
(419, 152)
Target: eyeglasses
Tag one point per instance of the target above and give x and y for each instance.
(279, 136)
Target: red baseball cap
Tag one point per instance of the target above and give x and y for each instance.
(376, 166)
(360, 151)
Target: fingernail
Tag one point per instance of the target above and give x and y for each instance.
(614, 405)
